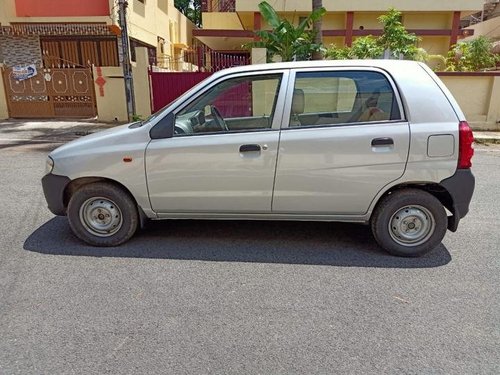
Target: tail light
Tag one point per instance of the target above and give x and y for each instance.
(466, 151)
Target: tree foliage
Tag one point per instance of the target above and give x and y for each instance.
(286, 40)
(337, 53)
(472, 55)
(365, 47)
(394, 39)
(191, 9)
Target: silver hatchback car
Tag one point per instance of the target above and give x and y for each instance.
(375, 142)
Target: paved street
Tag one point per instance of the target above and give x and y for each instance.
(210, 297)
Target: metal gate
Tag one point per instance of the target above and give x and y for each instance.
(52, 92)
(209, 60)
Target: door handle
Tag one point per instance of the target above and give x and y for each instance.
(385, 141)
(249, 148)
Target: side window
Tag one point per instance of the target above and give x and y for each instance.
(331, 98)
(236, 104)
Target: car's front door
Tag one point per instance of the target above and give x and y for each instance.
(222, 157)
(344, 139)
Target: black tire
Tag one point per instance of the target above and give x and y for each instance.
(102, 214)
(409, 222)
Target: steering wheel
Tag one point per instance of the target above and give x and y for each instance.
(218, 119)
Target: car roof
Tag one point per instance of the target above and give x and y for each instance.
(389, 65)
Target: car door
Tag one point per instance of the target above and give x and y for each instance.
(213, 163)
(344, 137)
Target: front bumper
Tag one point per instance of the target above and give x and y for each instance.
(53, 189)
(461, 187)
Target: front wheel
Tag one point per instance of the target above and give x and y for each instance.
(409, 222)
(102, 214)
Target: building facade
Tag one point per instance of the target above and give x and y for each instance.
(48, 49)
(229, 24)
(486, 23)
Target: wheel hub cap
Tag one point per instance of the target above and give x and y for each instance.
(100, 216)
(411, 225)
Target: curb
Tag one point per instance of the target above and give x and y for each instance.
(486, 140)
(486, 137)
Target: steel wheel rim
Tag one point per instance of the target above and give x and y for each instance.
(101, 216)
(411, 225)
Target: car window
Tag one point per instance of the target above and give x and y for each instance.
(236, 104)
(331, 98)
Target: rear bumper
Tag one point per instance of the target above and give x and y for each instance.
(461, 187)
(53, 189)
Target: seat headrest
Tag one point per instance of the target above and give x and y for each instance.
(298, 101)
(372, 100)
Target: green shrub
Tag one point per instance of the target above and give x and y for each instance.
(394, 39)
(474, 55)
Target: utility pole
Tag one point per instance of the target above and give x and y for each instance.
(127, 67)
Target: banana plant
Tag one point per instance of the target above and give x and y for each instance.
(286, 40)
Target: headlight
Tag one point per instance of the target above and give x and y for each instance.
(49, 165)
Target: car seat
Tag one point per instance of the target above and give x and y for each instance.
(298, 106)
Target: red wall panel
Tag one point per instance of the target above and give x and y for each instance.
(169, 86)
(62, 8)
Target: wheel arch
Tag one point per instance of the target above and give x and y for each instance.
(435, 189)
(77, 183)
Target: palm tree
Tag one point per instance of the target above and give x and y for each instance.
(317, 30)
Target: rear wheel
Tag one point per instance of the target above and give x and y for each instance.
(102, 214)
(409, 222)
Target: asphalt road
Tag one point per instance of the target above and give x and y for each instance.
(206, 297)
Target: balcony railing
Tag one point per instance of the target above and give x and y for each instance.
(218, 5)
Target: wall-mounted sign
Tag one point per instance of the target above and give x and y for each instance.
(20, 73)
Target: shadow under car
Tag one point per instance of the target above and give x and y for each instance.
(309, 243)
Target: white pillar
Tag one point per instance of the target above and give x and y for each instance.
(259, 56)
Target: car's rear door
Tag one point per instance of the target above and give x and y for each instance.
(344, 137)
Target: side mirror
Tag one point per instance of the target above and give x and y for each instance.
(163, 128)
